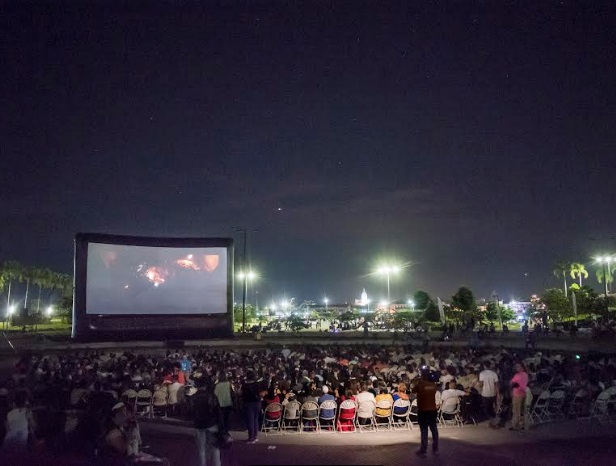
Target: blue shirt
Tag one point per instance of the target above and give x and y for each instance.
(327, 397)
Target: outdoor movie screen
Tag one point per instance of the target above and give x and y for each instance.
(127, 279)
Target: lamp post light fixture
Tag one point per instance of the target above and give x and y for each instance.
(387, 270)
(412, 304)
(246, 277)
(9, 312)
(326, 301)
(606, 271)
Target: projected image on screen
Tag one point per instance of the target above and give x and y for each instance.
(125, 279)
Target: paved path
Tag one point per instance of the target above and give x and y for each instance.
(564, 444)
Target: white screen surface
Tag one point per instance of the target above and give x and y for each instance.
(126, 279)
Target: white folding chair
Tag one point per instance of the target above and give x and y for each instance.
(383, 420)
(413, 414)
(611, 403)
(578, 408)
(327, 415)
(346, 414)
(129, 397)
(144, 402)
(159, 402)
(309, 415)
(449, 414)
(364, 420)
(291, 416)
(599, 409)
(272, 418)
(554, 407)
(400, 414)
(537, 414)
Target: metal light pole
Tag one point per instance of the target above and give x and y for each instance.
(603, 261)
(246, 269)
(388, 293)
(609, 273)
(498, 308)
(387, 270)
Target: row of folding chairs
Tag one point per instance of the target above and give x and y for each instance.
(549, 406)
(147, 402)
(604, 407)
(555, 405)
(312, 417)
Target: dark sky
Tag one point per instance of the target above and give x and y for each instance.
(475, 139)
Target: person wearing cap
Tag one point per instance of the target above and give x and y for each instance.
(426, 391)
(326, 396)
(117, 448)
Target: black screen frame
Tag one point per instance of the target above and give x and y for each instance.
(86, 326)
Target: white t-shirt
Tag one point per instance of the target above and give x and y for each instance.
(489, 379)
(449, 399)
(16, 429)
(363, 407)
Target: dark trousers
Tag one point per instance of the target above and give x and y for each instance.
(251, 414)
(226, 413)
(427, 419)
(488, 403)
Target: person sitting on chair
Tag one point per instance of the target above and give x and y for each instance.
(451, 397)
(383, 396)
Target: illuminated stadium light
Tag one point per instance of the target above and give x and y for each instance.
(387, 270)
(250, 275)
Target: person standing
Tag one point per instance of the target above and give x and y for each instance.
(224, 393)
(19, 425)
(519, 382)
(208, 423)
(251, 399)
(426, 411)
(488, 382)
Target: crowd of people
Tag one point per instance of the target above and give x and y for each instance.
(72, 402)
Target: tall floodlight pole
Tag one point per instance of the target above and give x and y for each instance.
(609, 260)
(603, 262)
(387, 270)
(246, 269)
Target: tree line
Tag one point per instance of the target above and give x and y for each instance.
(42, 284)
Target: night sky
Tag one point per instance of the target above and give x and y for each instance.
(476, 140)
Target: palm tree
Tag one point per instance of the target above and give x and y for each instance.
(578, 270)
(560, 270)
(609, 276)
(41, 278)
(25, 275)
(10, 271)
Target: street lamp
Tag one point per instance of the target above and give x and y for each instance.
(603, 261)
(387, 270)
(246, 277)
(326, 301)
(10, 310)
(412, 304)
(49, 311)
